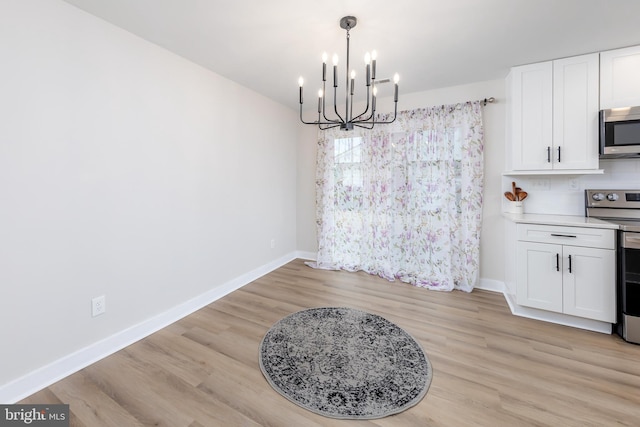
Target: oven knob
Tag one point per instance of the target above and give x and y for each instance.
(597, 197)
(612, 197)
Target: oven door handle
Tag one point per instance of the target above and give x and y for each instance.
(631, 240)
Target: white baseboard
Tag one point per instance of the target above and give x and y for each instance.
(43, 377)
(311, 256)
(491, 285)
(558, 318)
(543, 315)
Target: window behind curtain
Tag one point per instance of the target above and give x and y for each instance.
(404, 201)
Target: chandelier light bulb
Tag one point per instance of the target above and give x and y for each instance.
(353, 82)
(396, 79)
(301, 82)
(374, 98)
(374, 55)
(320, 93)
(324, 57)
(367, 61)
(335, 59)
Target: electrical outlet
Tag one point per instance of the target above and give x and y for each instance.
(273, 243)
(540, 184)
(98, 305)
(574, 184)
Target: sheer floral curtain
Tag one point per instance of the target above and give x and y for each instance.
(404, 201)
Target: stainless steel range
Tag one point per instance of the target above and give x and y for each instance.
(622, 207)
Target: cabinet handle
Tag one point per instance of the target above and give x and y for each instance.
(558, 154)
(548, 154)
(570, 264)
(563, 235)
(557, 262)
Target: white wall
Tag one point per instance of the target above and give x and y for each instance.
(306, 190)
(564, 195)
(125, 171)
(492, 238)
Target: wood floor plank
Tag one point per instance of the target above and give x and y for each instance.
(490, 368)
(89, 410)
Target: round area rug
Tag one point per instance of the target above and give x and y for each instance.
(344, 363)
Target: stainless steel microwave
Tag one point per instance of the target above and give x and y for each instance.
(620, 133)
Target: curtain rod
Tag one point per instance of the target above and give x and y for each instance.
(483, 101)
(487, 100)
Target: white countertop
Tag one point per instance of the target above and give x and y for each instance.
(565, 220)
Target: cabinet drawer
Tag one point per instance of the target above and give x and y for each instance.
(574, 236)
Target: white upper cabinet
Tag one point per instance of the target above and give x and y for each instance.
(554, 115)
(531, 116)
(575, 112)
(620, 78)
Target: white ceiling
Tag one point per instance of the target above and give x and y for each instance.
(267, 44)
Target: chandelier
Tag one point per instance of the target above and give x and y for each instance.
(367, 118)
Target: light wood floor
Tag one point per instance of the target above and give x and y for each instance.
(490, 368)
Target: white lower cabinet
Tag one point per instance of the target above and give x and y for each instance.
(539, 279)
(568, 270)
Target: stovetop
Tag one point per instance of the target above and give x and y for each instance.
(621, 207)
(632, 226)
(613, 199)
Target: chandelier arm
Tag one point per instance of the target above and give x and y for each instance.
(386, 123)
(368, 118)
(335, 106)
(363, 126)
(395, 115)
(324, 99)
(319, 122)
(366, 110)
(328, 126)
(359, 119)
(303, 121)
(339, 120)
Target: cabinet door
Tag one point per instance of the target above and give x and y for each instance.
(575, 112)
(531, 115)
(539, 276)
(589, 283)
(619, 82)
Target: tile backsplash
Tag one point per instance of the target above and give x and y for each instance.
(564, 194)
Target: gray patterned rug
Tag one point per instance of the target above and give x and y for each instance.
(344, 363)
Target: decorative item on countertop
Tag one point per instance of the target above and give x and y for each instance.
(515, 198)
